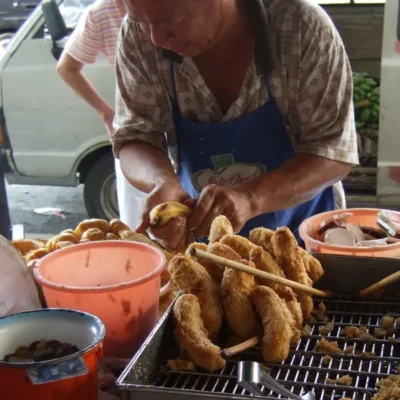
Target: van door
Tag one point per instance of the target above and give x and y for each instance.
(50, 127)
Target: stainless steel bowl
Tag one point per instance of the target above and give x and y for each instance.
(78, 328)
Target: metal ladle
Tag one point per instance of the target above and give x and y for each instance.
(252, 373)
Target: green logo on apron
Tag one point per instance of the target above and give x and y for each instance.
(227, 173)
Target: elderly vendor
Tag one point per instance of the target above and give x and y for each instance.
(251, 99)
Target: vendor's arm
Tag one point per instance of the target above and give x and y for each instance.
(326, 146)
(83, 47)
(139, 140)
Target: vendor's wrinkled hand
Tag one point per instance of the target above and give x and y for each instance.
(173, 235)
(234, 203)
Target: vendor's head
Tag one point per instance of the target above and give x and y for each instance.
(187, 27)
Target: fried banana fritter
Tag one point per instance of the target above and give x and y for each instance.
(265, 262)
(220, 228)
(288, 256)
(192, 278)
(192, 335)
(263, 237)
(236, 288)
(278, 323)
(240, 244)
(222, 250)
(214, 271)
(313, 266)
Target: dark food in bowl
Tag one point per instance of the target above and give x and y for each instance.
(41, 350)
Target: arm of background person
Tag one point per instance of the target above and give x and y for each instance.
(70, 71)
(83, 47)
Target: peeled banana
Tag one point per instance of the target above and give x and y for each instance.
(164, 212)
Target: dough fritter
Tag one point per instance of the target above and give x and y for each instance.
(265, 262)
(213, 269)
(192, 335)
(263, 237)
(278, 323)
(288, 257)
(91, 223)
(140, 238)
(240, 244)
(116, 226)
(192, 278)
(236, 288)
(24, 246)
(220, 228)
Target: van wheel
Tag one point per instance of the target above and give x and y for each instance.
(5, 38)
(100, 191)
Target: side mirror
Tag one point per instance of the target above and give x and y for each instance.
(55, 24)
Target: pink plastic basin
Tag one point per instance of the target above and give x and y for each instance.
(361, 216)
(118, 281)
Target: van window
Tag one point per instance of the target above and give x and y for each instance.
(71, 10)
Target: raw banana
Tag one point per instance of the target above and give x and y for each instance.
(366, 97)
(164, 212)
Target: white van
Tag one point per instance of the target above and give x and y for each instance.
(48, 136)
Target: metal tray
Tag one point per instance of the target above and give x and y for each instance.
(145, 377)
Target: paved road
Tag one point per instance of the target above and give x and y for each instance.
(23, 200)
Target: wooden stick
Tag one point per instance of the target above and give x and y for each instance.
(298, 287)
(381, 284)
(240, 348)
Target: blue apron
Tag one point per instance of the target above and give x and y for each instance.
(237, 151)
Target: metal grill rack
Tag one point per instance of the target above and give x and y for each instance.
(303, 371)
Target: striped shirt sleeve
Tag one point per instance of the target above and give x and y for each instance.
(85, 43)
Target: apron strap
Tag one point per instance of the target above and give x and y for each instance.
(173, 82)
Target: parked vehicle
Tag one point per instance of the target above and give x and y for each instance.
(50, 137)
(13, 13)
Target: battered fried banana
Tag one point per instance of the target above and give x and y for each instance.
(265, 262)
(236, 288)
(313, 266)
(220, 228)
(214, 271)
(278, 324)
(192, 278)
(192, 335)
(240, 244)
(288, 256)
(222, 250)
(263, 237)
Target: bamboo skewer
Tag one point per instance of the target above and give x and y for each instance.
(381, 284)
(240, 348)
(298, 287)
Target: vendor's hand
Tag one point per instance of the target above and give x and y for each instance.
(234, 203)
(173, 235)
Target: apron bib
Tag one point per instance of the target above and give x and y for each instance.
(238, 151)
